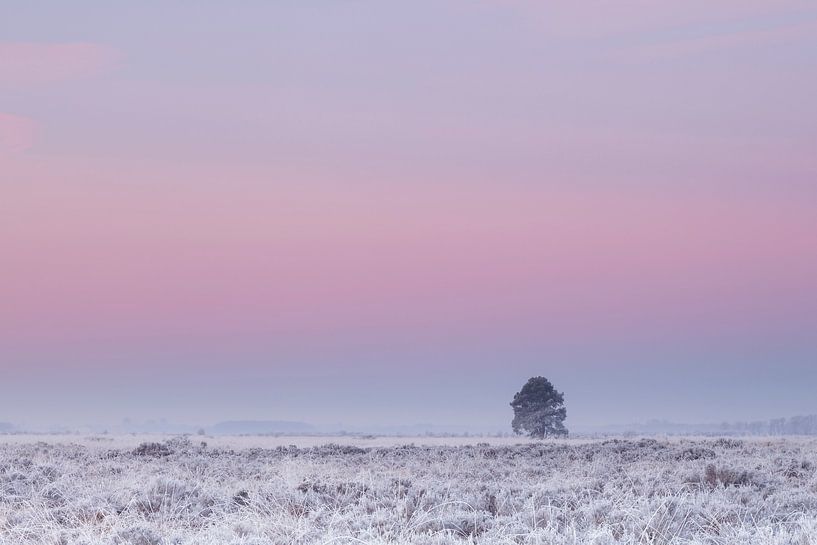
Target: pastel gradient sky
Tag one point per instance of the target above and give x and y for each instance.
(377, 212)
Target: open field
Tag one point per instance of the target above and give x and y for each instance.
(262, 491)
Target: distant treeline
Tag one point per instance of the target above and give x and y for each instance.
(796, 425)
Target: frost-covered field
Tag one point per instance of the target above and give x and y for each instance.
(74, 490)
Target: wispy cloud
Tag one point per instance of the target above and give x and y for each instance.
(601, 19)
(28, 63)
(717, 41)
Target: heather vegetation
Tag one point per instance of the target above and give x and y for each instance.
(713, 491)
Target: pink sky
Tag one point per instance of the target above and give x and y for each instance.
(354, 177)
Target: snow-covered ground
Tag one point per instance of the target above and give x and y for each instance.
(142, 490)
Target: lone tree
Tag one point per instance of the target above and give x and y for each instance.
(539, 409)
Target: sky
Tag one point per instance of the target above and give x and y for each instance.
(366, 213)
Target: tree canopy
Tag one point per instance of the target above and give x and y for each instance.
(539, 409)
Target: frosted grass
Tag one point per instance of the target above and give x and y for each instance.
(103, 490)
